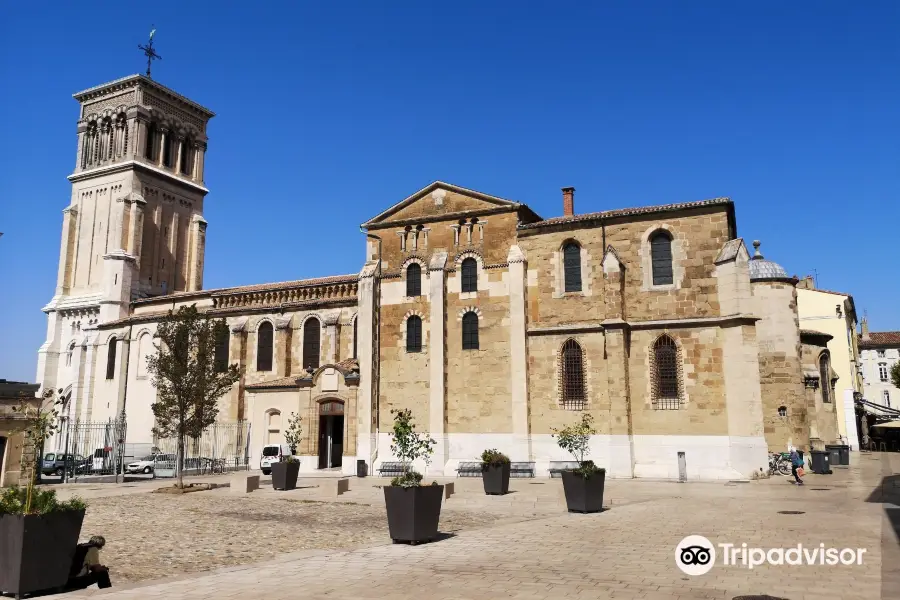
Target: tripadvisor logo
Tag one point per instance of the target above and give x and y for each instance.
(696, 555)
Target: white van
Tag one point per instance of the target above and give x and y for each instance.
(273, 453)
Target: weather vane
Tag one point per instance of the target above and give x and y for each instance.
(149, 52)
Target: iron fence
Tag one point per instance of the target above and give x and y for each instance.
(87, 448)
(222, 447)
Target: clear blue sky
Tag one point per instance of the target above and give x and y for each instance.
(329, 113)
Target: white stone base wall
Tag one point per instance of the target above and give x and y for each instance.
(707, 457)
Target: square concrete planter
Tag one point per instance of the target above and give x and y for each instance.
(413, 513)
(584, 495)
(496, 479)
(36, 550)
(284, 475)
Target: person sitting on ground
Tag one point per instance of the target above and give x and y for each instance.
(86, 567)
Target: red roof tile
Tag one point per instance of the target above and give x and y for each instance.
(880, 338)
(626, 212)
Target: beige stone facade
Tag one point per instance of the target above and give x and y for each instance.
(493, 325)
(13, 450)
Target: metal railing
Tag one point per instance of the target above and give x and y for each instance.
(89, 448)
(222, 447)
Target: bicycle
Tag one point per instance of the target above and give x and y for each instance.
(779, 463)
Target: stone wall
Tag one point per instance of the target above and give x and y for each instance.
(781, 382)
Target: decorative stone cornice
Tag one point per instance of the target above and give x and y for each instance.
(128, 165)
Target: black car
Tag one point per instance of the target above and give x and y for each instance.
(54, 463)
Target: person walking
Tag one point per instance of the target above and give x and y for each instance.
(796, 466)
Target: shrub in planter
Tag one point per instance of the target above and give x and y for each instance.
(583, 486)
(413, 509)
(38, 543)
(495, 472)
(38, 534)
(284, 474)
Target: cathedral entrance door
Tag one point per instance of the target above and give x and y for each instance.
(331, 433)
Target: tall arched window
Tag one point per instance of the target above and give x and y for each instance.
(572, 376)
(144, 345)
(311, 346)
(825, 377)
(149, 142)
(111, 358)
(186, 165)
(264, 339)
(413, 280)
(414, 334)
(355, 321)
(223, 341)
(273, 427)
(469, 275)
(666, 385)
(572, 266)
(69, 354)
(661, 255)
(470, 331)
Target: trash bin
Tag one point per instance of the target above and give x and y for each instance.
(845, 455)
(819, 462)
(834, 454)
(362, 469)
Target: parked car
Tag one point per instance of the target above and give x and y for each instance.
(54, 463)
(145, 465)
(273, 453)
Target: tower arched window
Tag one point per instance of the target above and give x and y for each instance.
(185, 167)
(223, 341)
(355, 321)
(311, 343)
(469, 275)
(572, 266)
(825, 377)
(111, 358)
(150, 142)
(414, 334)
(69, 354)
(666, 380)
(661, 257)
(265, 337)
(413, 280)
(571, 376)
(470, 331)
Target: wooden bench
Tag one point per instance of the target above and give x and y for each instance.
(521, 469)
(558, 466)
(469, 469)
(516, 469)
(392, 469)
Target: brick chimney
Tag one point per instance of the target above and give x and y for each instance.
(568, 201)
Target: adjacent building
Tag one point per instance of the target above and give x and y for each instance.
(880, 351)
(13, 450)
(492, 324)
(834, 314)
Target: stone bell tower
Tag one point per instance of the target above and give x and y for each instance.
(134, 226)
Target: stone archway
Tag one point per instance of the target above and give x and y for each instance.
(331, 432)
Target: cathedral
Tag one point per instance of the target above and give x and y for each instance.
(493, 324)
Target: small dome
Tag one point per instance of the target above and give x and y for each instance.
(762, 269)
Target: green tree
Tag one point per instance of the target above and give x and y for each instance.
(576, 440)
(41, 421)
(408, 445)
(294, 432)
(187, 379)
(895, 375)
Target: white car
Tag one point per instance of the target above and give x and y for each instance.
(144, 465)
(273, 453)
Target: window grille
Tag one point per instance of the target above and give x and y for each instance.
(666, 384)
(572, 376)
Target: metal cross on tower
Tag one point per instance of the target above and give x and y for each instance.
(149, 52)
